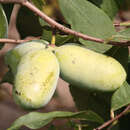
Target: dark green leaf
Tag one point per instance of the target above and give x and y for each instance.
(47, 33)
(95, 101)
(121, 97)
(61, 39)
(3, 24)
(86, 18)
(124, 122)
(121, 54)
(35, 120)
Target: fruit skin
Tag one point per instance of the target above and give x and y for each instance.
(12, 58)
(36, 79)
(88, 69)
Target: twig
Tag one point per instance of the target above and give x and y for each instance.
(56, 25)
(13, 1)
(112, 120)
(116, 24)
(53, 38)
(13, 41)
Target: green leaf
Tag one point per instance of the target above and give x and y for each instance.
(86, 18)
(94, 101)
(3, 25)
(121, 97)
(110, 7)
(121, 54)
(36, 120)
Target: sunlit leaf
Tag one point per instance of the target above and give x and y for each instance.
(110, 7)
(35, 120)
(121, 97)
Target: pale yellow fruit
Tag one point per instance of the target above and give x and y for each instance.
(36, 79)
(12, 58)
(88, 69)
(23, 48)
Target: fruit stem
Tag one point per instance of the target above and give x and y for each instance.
(53, 38)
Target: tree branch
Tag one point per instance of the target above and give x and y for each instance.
(13, 1)
(54, 24)
(13, 41)
(112, 120)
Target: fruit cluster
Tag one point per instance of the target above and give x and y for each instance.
(36, 68)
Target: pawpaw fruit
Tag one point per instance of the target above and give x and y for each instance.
(36, 79)
(12, 57)
(90, 70)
